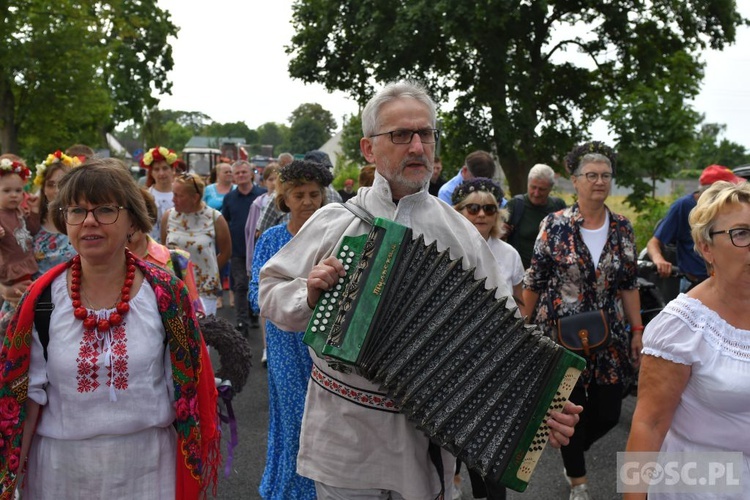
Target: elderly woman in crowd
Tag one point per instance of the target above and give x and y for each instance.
(113, 396)
(301, 190)
(200, 230)
(584, 258)
(694, 387)
(214, 195)
(477, 200)
(160, 164)
(175, 260)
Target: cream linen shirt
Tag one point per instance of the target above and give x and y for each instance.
(343, 444)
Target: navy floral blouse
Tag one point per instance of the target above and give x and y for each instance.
(562, 273)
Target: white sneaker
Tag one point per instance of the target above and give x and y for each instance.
(580, 492)
(264, 358)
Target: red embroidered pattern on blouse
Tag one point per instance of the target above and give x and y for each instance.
(89, 353)
(118, 371)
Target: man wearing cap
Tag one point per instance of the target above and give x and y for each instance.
(675, 228)
(348, 191)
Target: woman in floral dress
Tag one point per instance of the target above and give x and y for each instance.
(201, 231)
(585, 259)
(300, 191)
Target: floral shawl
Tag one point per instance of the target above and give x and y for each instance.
(196, 422)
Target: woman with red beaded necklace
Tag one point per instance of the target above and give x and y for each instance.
(123, 378)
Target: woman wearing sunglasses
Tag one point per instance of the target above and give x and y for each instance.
(584, 260)
(477, 200)
(200, 230)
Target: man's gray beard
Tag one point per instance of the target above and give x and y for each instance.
(401, 181)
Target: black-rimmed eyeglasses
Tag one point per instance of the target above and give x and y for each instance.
(739, 236)
(103, 214)
(405, 136)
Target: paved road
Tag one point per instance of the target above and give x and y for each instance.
(251, 409)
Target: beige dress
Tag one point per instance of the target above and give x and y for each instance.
(196, 234)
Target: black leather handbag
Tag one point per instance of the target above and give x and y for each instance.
(584, 333)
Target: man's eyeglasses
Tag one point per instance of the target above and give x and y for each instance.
(405, 136)
(740, 236)
(103, 214)
(474, 208)
(593, 176)
(186, 176)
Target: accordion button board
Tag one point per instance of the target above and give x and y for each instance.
(459, 362)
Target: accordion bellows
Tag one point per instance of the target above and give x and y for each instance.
(456, 360)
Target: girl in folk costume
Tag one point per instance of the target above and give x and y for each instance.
(119, 383)
(160, 164)
(18, 225)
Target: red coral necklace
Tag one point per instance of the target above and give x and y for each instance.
(122, 307)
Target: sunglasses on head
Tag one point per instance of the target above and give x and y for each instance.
(474, 208)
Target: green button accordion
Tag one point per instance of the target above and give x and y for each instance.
(458, 362)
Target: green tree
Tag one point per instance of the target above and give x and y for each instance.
(656, 127)
(316, 113)
(277, 135)
(711, 148)
(505, 65)
(351, 133)
(307, 134)
(236, 129)
(69, 71)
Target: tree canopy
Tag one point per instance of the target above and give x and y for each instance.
(312, 125)
(70, 71)
(526, 79)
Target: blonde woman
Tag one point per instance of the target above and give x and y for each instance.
(200, 230)
(694, 386)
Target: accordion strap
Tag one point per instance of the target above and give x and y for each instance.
(359, 212)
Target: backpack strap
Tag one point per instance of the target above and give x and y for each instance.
(42, 314)
(516, 210)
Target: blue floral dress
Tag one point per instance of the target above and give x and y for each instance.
(289, 366)
(51, 249)
(562, 273)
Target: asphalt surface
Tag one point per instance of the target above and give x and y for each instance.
(251, 411)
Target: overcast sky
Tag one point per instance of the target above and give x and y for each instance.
(230, 64)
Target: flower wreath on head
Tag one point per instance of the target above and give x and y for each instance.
(475, 185)
(573, 159)
(8, 166)
(306, 170)
(158, 153)
(56, 157)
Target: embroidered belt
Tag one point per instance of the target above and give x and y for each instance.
(355, 395)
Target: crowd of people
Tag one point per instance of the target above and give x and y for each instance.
(132, 362)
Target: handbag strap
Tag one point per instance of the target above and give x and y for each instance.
(359, 212)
